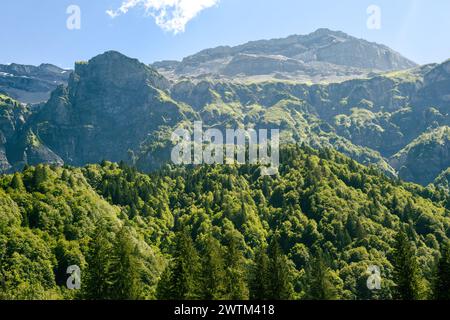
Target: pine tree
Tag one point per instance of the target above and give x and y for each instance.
(280, 275)
(442, 278)
(235, 273)
(212, 274)
(125, 268)
(406, 269)
(259, 276)
(318, 280)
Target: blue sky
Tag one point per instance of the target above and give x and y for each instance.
(33, 31)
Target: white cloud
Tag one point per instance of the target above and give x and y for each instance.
(170, 15)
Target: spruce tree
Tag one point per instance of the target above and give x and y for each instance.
(125, 268)
(181, 281)
(212, 274)
(164, 290)
(318, 281)
(259, 276)
(442, 277)
(280, 274)
(96, 282)
(235, 273)
(406, 269)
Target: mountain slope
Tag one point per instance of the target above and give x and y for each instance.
(48, 217)
(117, 108)
(13, 116)
(110, 106)
(425, 158)
(323, 55)
(31, 84)
(51, 218)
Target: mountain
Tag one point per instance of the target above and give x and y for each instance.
(52, 218)
(13, 116)
(426, 157)
(86, 181)
(443, 180)
(80, 123)
(31, 84)
(110, 106)
(321, 56)
(119, 109)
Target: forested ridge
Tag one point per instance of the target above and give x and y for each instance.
(222, 232)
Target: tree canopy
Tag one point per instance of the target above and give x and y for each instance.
(221, 232)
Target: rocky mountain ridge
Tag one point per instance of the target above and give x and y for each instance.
(322, 56)
(119, 109)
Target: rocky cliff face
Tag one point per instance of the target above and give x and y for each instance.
(426, 157)
(13, 116)
(117, 108)
(323, 55)
(30, 84)
(111, 105)
(371, 120)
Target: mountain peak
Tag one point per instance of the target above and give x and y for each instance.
(325, 31)
(112, 54)
(323, 55)
(116, 68)
(109, 58)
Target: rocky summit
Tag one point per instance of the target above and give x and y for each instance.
(321, 56)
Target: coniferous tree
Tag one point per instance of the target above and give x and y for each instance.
(124, 268)
(65, 175)
(39, 176)
(259, 276)
(17, 182)
(442, 277)
(133, 211)
(280, 274)
(406, 269)
(318, 280)
(212, 271)
(164, 291)
(97, 283)
(181, 281)
(235, 273)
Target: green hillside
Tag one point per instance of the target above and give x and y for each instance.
(212, 232)
(426, 157)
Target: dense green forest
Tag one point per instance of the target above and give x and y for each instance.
(223, 232)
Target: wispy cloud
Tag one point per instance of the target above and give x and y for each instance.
(170, 15)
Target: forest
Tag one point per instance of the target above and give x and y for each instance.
(223, 232)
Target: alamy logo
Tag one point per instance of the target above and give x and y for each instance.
(74, 280)
(209, 147)
(74, 20)
(374, 280)
(374, 20)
